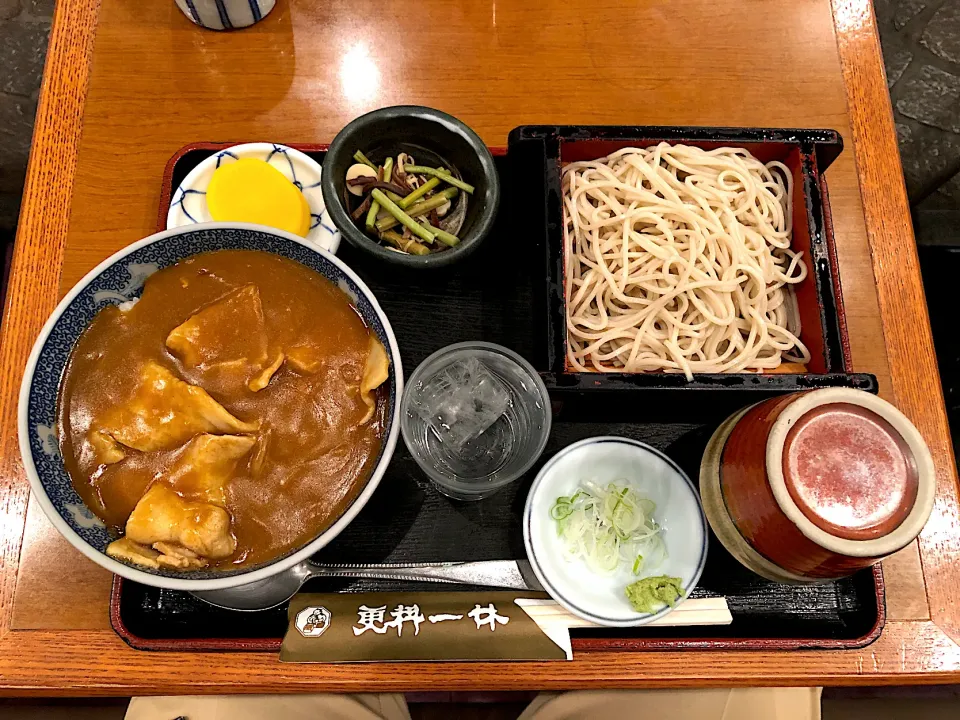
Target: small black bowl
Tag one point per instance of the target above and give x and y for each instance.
(433, 138)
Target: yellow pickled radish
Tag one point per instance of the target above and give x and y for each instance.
(251, 190)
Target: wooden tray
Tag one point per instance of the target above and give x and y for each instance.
(500, 295)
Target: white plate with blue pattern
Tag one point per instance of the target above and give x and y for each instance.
(188, 203)
(600, 598)
(120, 279)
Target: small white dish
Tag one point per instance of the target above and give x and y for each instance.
(601, 598)
(188, 203)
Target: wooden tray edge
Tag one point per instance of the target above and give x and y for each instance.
(579, 644)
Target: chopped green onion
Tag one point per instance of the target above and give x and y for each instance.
(608, 527)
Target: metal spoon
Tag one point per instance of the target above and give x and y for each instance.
(278, 589)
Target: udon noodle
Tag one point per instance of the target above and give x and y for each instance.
(678, 260)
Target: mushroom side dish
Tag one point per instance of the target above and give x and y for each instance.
(409, 208)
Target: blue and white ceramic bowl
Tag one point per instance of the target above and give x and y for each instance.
(225, 14)
(120, 279)
(188, 204)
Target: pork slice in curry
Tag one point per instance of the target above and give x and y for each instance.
(226, 418)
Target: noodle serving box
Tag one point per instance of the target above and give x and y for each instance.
(511, 293)
(807, 154)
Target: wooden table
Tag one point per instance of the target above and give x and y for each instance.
(129, 82)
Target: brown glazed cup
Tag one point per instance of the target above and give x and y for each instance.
(816, 485)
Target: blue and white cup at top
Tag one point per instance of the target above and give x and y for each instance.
(225, 14)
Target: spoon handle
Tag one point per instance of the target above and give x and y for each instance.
(493, 573)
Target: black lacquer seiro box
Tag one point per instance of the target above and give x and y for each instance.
(538, 153)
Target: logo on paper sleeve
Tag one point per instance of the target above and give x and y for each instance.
(313, 621)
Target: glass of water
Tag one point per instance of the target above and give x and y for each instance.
(475, 416)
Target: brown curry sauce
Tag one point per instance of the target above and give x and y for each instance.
(313, 453)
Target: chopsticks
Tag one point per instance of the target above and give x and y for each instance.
(694, 611)
(556, 621)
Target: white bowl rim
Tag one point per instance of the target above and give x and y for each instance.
(528, 541)
(233, 580)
